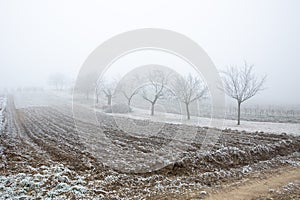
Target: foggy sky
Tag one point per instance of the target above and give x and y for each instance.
(38, 38)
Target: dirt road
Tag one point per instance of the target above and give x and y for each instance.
(255, 189)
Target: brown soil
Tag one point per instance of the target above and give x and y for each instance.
(254, 189)
(266, 186)
(47, 135)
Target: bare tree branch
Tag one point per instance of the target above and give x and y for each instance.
(155, 90)
(108, 87)
(189, 89)
(242, 84)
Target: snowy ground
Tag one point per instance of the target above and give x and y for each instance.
(49, 99)
(2, 113)
(2, 119)
(249, 126)
(53, 182)
(44, 154)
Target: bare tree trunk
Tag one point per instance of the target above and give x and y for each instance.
(152, 109)
(109, 97)
(239, 113)
(97, 98)
(129, 102)
(187, 111)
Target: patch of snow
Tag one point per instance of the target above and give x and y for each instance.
(3, 102)
(50, 182)
(249, 126)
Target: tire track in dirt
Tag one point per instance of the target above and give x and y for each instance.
(19, 150)
(61, 146)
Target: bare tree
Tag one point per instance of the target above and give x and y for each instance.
(129, 87)
(155, 89)
(108, 87)
(129, 94)
(189, 89)
(58, 81)
(85, 85)
(98, 90)
(241, 84)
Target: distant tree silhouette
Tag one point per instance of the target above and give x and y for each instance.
(189, 89)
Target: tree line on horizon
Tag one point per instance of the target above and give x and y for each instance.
(239, 83)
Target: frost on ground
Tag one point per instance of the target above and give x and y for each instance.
(2, 120)
(59, 182)
(249, 126)
(44, 157)
(2, 113)
(54, 182)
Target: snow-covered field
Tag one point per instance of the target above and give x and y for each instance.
(249, 126)
(45, 182)
(2, 113)
(44, 154)
(142, 114)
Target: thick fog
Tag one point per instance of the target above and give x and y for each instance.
(39, 38)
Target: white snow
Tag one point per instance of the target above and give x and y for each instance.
(46, 183)
(2, 113)
(44, 99)
(249, 126)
